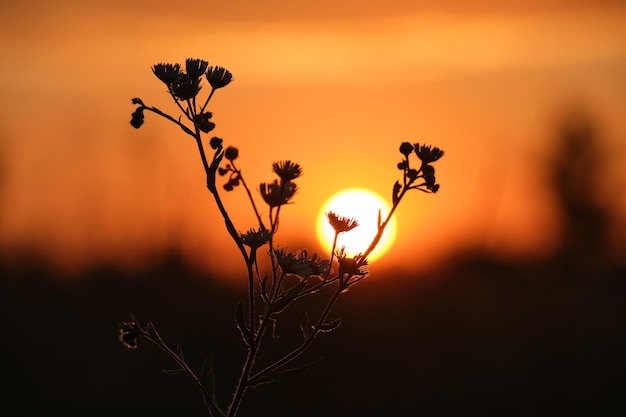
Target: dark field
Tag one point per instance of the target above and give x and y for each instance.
(484, 338)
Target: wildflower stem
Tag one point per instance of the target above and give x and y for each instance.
(210, 175)
(207, 100)
(245, 186)
(305, 345)
(209, 403)
(170, 118)
(244, 379)
(381, 228)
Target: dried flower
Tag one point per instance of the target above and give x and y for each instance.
(298, 263)
(406, 148)
(352, 266)
(203, 122)
(185, 87)
(426, 154)
(231, 153)
(196, 67)
(341, 224)
(166, 72)
(287, 170)
(429, 178)
(129, 334)
(137, 118)
(215, 142)
(256, 238)
(276, 194)
(218, 77)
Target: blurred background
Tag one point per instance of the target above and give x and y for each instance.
(503, 293)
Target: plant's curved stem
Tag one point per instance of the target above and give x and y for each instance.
(245, 186)
(209, 403)
(304, 346)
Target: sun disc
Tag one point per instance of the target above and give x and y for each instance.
(363, 205)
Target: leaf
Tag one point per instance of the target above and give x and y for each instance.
(179, 351)
(241, 324)
(305, 327)
(274, 376)
(396, 193)
(330, 326)
(173, 371)
(275, 336)
(207, 377)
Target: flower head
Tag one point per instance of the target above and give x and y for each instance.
(287, 170)
(185, 87)
(137, 118)
(341, 224)
(215, 142)
(203, 122)
(129, 334)
(300, 264)
(276, 194)
(352, 266)
(428, 154)
(166, 72)
(218, 77)
(231, 153)
(406, 148)
(429, 178)
(196, 67)
(256, 238)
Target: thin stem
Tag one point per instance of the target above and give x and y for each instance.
(304, 346)
(244, 379)
(211, 406)
(381, 228)
(245, 186)
(207, 100)
(170, 118)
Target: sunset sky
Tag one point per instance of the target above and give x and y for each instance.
(334, 86)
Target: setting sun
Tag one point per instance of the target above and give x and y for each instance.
(363, 205)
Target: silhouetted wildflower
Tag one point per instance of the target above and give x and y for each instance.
(166, 72)
(426, 154)
(341, 224)
(185, 87)
(196, 67)
(276, 194)
(218, 77)
(287, 170)
(298, 263)
(137, 118)
(406, 148)
(215, 142)
(203, 122)
(129, 334)
(231, 153)
(429, 178)
(352, 266)
(256, 238)
(412, 174)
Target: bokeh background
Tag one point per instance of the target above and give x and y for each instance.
(504, 292)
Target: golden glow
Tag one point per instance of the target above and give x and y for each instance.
(363, 205)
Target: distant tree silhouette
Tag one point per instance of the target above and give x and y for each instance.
(576, 173)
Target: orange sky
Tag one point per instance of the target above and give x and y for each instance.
(335, 88)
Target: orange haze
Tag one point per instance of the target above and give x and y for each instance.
(336, 93)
